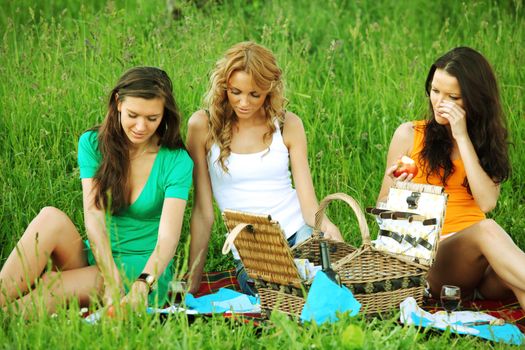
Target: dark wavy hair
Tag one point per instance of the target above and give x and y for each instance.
(111, 179)
(485, 120)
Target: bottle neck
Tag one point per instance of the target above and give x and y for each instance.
(325, 255)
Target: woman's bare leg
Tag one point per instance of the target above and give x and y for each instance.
(59, 288)
(490, 286)
(464, 259)
(51, 235)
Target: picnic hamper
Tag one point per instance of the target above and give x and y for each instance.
(268, 259)
(381, 276)
(309, 249)
(379, 279)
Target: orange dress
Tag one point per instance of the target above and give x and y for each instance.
(462, 210)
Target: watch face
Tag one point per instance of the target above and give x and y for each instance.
(150, 279)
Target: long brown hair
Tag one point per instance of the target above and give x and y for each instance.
(485, 120)
(111, 179)
(261, 64)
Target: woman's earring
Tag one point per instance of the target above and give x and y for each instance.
(119, 118)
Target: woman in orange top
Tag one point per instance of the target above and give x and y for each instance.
(463, 147)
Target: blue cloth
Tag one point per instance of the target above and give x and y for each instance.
(507, 333)
(224, 300)
(460, 322)
(326, 298)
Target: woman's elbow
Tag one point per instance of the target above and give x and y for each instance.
(208, 220)
(93, 228)
(202, 218)
(487, 206)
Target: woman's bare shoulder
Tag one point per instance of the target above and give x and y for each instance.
(199, 121)
(403, 139)
(404, 132)
(292, 119)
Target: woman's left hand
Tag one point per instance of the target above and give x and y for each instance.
(137, 296)
(456, 117)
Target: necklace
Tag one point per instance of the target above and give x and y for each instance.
(141, 154)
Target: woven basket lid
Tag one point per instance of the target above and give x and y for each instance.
(262, 247)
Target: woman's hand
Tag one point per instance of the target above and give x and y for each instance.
(456, 117)
(403, 177)
(331, 231)
(108, 296)
(113, 290)
(137, 296)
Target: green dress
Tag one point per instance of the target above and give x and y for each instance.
(133, 232)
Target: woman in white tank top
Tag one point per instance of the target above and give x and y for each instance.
(243, 147)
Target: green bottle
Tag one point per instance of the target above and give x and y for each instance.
(325, 263)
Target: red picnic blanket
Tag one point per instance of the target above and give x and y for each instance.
(213, 281)
(509, 310)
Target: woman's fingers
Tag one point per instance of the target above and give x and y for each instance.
(390, 171)
(456, 117)
(403, 177)
(334, 236)
(451, 111)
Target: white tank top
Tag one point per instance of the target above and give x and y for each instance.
(258, 183)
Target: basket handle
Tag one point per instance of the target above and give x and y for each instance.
(363, 227)
(232, 236)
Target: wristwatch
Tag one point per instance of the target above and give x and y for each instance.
(148, 279)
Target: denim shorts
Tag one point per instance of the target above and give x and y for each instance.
(246, 283)
(301, 235)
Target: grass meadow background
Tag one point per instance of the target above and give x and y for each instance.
(354, 71)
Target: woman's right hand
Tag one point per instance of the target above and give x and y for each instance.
(112, 291)
(107, 298)
(406, 177)
(400, 145)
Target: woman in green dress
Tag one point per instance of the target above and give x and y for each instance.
(136, 175)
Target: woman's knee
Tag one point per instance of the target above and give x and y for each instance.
(50, 212)
(53, 216)
(489, 229)
(50, 223)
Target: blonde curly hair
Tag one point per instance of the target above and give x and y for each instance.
(260, 63)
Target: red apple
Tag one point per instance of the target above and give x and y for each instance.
(405, 165)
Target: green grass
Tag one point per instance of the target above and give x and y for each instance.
(354, 71)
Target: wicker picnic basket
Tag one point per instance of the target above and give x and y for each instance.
(309, 249)
(267, 259)
(270, 262)
(379, 279)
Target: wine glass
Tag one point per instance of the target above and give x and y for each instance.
(450, 298)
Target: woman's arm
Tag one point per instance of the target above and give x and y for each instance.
(168, 238)
(95, 222)
(202, 215)
(295, 139)
(400, 145)
(483, 188)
